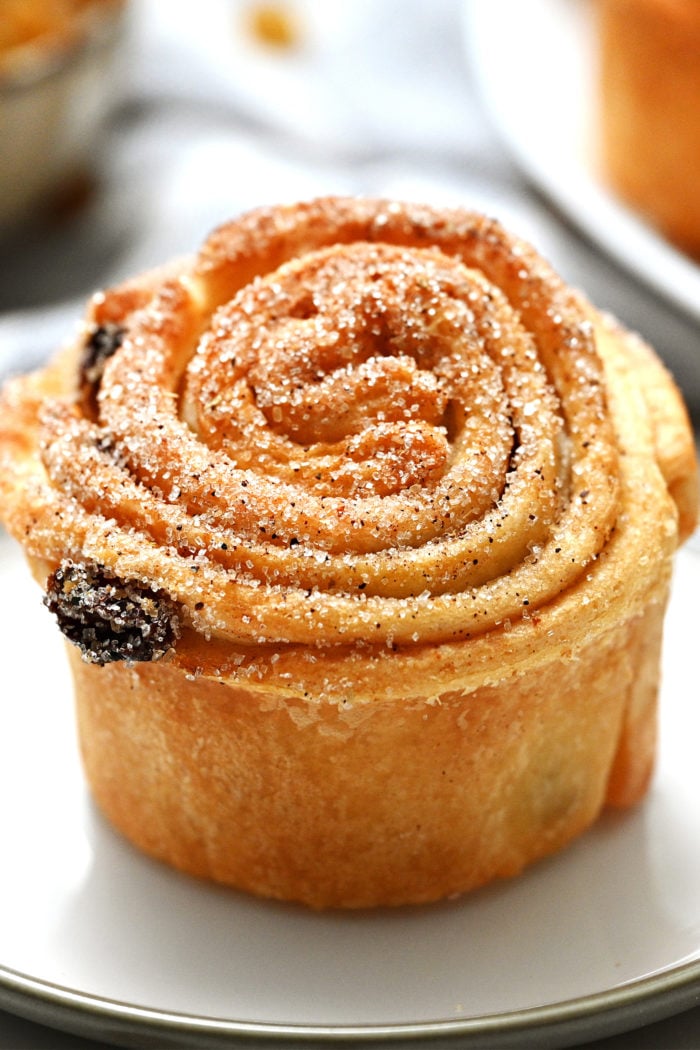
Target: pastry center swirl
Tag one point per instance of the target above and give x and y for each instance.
(380, 428)
(371, 373)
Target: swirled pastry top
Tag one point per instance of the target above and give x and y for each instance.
(345, 426)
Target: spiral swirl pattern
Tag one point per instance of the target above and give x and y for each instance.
(345, 423)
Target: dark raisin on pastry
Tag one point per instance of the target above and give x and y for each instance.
(111, 619)
(103, 341)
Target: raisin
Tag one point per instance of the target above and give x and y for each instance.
(110, 619)
(103, 342)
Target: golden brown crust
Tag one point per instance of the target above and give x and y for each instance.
(385, 804)
(649, 115)
(414, 503)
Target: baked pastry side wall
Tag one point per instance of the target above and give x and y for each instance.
(390, 803)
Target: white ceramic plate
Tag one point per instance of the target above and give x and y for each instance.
(535, 66)
(102, 941)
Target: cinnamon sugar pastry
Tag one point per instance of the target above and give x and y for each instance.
(649, 106)
(360, 525)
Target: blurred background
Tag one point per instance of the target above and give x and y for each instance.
(129, 130)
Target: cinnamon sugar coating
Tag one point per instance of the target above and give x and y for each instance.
(344, 426)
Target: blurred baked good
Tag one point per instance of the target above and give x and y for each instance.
(649, 58)
(360, 524)
(58, 80)
(35, 32)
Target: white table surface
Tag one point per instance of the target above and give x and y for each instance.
(192, 142)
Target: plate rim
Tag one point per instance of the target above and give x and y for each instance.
(644, 1000)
